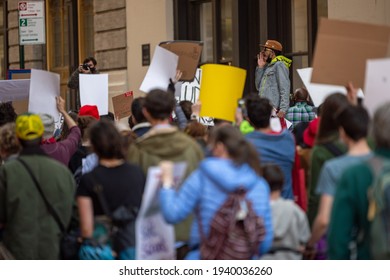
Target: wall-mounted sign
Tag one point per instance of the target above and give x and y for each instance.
(145, 54)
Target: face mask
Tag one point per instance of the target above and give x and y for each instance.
(269, 59)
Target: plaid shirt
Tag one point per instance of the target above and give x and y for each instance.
(300, 112)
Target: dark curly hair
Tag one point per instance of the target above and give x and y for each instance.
(7, 113)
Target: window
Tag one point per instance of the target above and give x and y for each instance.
(300, 54)
(206, 31)
(86, 29)
(226, 31)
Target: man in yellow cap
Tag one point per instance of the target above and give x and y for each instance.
(30, 231)
(272, 77)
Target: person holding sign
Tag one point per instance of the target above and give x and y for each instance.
(207, 188)
(87, 67)
(272, 77)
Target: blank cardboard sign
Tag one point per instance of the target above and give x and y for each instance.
(377, 85)
(342, 49)
(189, 54)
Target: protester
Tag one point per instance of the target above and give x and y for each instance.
(350, 212)
(87, 67)
(354, 124)
(9, 143)
(207, 188)
(30, 231)
(301, 111)
(64, 149)
(165, 142)
(122, 185)
(84, 147)
(290, 225)
(272, 147)
(138, 123)
(7, 113)
(326, 146)
(272, 77)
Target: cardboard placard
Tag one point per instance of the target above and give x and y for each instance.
(122, 104)
(377, 84)
(318, 92)
(342, 49)
(189, 54)
(221, 88)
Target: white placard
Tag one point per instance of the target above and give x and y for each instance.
(377, 83)
(318, 92)
(12, 90)
(162, 68)
(190, 91)
(155, 238)
(44, 87)
(94, 91)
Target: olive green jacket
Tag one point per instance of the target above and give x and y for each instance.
(30, 231)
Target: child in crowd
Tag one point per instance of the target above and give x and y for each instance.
(290, 224)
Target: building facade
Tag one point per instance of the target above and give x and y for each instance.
(117, 32)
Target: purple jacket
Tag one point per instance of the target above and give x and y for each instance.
(64, 149)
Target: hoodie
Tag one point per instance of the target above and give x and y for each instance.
(204, 192)
(278, 149)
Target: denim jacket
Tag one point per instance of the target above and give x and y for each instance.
(272, 82)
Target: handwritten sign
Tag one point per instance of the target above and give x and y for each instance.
(190, 91)
(155, 237)
(122, 104)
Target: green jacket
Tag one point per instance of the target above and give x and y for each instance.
(167, 144)
(349, 212)
(319, 155)
(30, 232)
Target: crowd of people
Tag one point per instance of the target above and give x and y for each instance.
(307, 184)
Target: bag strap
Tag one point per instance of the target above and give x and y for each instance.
(336, 151)
(48, 205)
(98, 189)
(203, 237)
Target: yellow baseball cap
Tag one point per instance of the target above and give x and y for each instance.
(29, 127)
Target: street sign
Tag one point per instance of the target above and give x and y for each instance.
(31, 22)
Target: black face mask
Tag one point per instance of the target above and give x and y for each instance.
(269, 59)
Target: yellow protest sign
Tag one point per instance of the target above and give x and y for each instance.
(221, 87)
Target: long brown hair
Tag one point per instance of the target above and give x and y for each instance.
(238, 148)
(328, 127)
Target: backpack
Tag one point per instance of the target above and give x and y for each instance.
(379, 209)
(235, 230)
